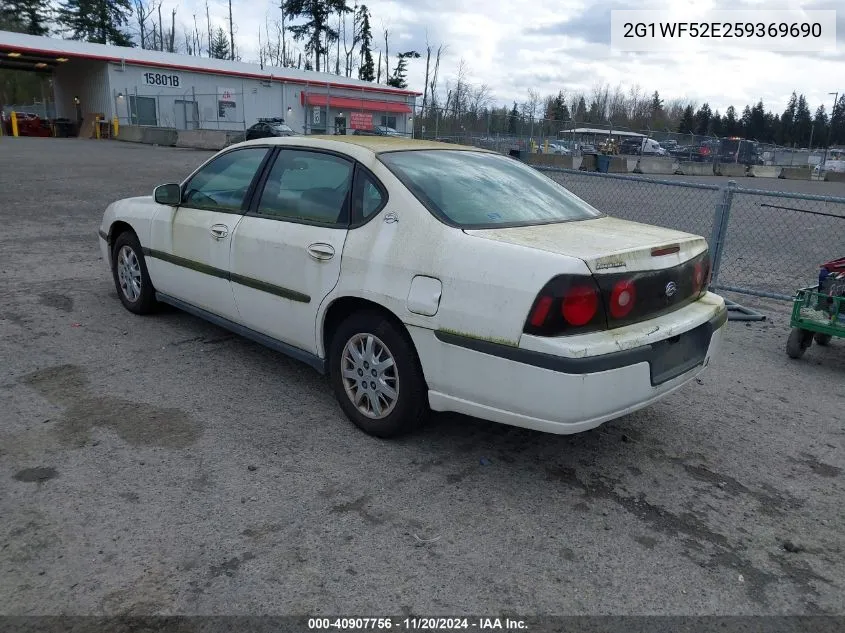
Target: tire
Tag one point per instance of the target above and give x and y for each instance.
(823, 339)
(127, 263)
(798, 342)
(375, 412)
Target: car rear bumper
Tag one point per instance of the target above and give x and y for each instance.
(556, 394)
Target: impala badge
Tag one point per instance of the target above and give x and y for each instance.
(390, 217)
(671, 289)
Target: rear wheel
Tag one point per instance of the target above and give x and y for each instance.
(823, 339)
(376, 376)
(798, 342)
(130, 274)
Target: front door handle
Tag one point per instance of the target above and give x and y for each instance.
(321, 251)
(219, 231)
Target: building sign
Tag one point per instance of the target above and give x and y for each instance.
(169, 80)
(315, 116)
(226, 103)
(361, 120)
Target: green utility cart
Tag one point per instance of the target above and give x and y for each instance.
(815, 316)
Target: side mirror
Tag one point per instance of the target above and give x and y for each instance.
(170, 194)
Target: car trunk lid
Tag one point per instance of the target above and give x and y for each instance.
(640, 271)
(607, 245)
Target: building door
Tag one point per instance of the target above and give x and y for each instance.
(142, 110)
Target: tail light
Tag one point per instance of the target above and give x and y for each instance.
(622, 298)
(701, 275)
(577, 304)
(568, 304)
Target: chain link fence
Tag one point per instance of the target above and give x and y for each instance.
(763, 243)
(188, 111)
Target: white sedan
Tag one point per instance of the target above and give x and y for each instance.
(424, 276)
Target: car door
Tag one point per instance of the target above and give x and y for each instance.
(286, 252)
(189, 244)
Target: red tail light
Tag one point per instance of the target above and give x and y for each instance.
(622, 299)
(580, 305)
(568, 304)
(541, 311)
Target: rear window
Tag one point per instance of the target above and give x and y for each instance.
(478, 189)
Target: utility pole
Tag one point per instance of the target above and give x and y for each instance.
(830, 128)
(231, 31)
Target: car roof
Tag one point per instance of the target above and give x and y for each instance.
(375, 144)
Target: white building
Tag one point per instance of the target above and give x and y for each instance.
(152, 88)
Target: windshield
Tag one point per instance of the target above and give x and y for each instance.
(281, 127)
(479, 189)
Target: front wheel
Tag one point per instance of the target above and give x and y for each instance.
(130, 274)
(798, 342)
(376, 376)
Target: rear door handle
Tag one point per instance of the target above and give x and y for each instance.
(321, 251)
(219, 231)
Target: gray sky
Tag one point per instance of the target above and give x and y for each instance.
(551, 45)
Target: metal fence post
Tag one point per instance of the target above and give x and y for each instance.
(720, 228)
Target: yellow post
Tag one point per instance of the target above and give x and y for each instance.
(97, 127)
(115, 126)
(14, 123)
(546, 146)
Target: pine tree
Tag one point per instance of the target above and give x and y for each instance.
(716, 125)
(512, 117)
(99, 21)
(560, 111)
(25, 16)
(581, 110)
(803, 122)
(397, 80)
(316, 30)
(366, 69)
(837, 122)
(787, 122)
(820, 126)
(219, 47)
(731, 125)
(687, 124)
(702, 120)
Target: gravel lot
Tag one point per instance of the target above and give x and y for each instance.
(161, 465)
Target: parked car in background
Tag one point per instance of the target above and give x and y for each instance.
(558, 149)
(378, 130)
(269, 128)
(588, 148)
(536, 310)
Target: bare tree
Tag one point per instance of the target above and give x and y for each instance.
(435, 72)
(378, 76)
(480, 97)
(386, 53)
(427, 66)
(208, 27)
(171, 42)
(197, 39)
(231, 31)
(143, 10)
(349, 51)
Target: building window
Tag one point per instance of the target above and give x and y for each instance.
(389, 121)
(142, 110)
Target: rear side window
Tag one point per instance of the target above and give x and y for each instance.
(479, 189)
(368, 197)
(308, 186)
